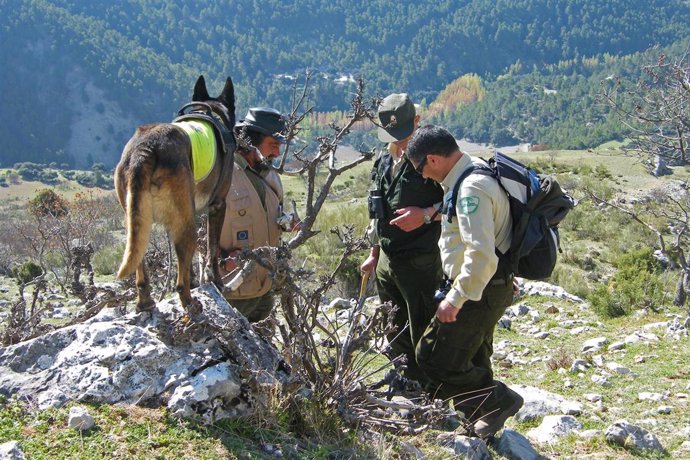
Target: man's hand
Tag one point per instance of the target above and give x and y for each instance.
(446, 312)
(369, 265)
(230, 262)
(296, 224)
(516, 289)
(409, 218)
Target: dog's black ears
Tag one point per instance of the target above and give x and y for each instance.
(200, 91)
(227, 97)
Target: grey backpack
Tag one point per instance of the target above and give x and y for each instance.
(537, 205)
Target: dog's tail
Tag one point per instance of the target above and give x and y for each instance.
(139, 219)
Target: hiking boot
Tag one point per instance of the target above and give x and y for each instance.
(493, 421)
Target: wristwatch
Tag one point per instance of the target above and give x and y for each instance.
(430, 218)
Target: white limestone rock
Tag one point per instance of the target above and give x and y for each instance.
(473, 448)
(11, 450)
(80, 419)
(633, 437)
(594, 345)
(539, 403)
(553, 427)
(550, 290)
(512, 444)
(145, 358)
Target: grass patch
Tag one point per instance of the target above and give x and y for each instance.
(593, 243)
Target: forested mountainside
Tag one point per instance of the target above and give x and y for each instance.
(77, 76)
(560, 105)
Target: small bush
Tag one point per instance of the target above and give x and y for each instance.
(86, 179)
(27, 173)
(48, 176)
(48, 203)
(602, 172)
(27, 272)
(571, 279)
(636, 284)
(106, 260)
(608, 303)
(562, 359)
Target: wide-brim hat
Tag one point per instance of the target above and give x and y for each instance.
(396, 116)
(266, 121)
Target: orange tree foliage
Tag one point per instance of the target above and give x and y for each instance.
(464, 90)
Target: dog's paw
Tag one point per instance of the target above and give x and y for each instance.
(194, 307)
(145, 305)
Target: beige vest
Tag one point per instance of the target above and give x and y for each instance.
(248, 225)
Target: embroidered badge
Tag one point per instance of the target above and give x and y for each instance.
(469, 204)
(242, 235)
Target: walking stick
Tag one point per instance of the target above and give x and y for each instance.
(354, 319)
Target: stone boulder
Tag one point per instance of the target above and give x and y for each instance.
(213, 367)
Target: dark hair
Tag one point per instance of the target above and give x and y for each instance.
(430, 139)
(255, 137)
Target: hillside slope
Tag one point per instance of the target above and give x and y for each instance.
(78, 76)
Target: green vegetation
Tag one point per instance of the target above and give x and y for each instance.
(607, 260)
(107, 259)
(27, 272)
(533, 68)
(636, 284)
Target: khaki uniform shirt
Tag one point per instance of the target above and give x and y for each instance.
(468, 243)
(252, 207)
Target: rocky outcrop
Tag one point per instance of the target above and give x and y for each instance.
(214, 367)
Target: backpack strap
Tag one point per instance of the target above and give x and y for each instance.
(448, 208)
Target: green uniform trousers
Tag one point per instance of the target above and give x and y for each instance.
(456, 357)
(410, 284)
(255, 309)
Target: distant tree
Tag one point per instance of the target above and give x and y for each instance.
(657, 111)
(56, 225)
(464, 90)
(48, 203)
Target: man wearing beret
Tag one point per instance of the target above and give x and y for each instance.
(404, 232)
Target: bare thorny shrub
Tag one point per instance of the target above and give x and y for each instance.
(60, 236)
(26, 315)
(668, 218)
(656, 111)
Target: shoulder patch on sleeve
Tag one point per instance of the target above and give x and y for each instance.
(469, 204)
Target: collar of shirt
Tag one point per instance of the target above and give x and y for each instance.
(397, 163)
(263, 169)
(456, 171)
(241, 161)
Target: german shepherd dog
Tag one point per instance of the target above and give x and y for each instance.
(155, 183)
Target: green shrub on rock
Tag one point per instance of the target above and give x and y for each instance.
(636, 284)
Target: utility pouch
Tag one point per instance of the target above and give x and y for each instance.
(376, 207)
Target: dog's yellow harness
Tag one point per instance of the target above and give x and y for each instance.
(203, 142)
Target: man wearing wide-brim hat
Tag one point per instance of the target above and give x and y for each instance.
(404, 232)
(254, 214)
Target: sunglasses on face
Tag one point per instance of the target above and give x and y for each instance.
(420, 167)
